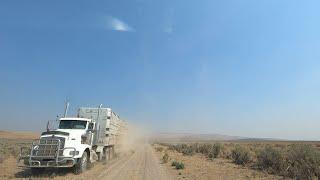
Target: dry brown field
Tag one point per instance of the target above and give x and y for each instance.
(266, 159)
(196, 164)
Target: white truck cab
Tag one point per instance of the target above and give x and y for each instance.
(77, 141)
(79, 130)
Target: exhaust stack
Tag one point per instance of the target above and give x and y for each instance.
(66, 109)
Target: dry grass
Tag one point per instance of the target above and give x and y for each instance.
(201, 167)
(18, 135)
(11, 147)
(2, 158)
(11, 143)
(9, 151)
(288, 159)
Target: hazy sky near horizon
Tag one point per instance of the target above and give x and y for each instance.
(247, 68)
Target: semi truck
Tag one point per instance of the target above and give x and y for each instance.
(92, 135)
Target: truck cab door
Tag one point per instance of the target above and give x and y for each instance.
(91, 130)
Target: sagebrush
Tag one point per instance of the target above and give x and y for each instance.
(294, 160)
(240, 155)
(165, 158)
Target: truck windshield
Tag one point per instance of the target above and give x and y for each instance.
(72, 124)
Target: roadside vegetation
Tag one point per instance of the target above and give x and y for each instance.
(209, 150)
(240, 155)
(165, 158)
(177, 165)
(11, 147)
(294, 160)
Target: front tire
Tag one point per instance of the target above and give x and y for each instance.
(82, 164)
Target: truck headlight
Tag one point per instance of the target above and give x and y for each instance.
(73, 153)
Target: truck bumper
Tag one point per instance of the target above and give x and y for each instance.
(37, 162)
(40, 161)
(45, 163)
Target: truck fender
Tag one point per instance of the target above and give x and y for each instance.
(83, 149)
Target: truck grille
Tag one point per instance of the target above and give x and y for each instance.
(49, 146)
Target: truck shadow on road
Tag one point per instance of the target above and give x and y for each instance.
(48, 173)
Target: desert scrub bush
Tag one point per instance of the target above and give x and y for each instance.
(225, 152)
(165, 158)
(304, 162)
(209, 150)
(195, 147)
(178, 165)
(185, 149)
(240, 155)
(189, 151)
(205, 148)
(216, 149)
(159, 149)
(174, 163)
(171, 147)
(271, 160)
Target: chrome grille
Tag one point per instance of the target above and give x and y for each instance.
(49, 146)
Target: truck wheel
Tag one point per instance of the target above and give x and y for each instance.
(100, 156)
(111, 153)
(82, 164)
(106, 154)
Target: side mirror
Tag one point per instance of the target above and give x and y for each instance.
(90, 126)
(91, 130)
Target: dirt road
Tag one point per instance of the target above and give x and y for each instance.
(143, 164)
(140, 164)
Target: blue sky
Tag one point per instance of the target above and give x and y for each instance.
(247, 68)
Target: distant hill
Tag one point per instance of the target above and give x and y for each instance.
(189, 137)
(18, 135)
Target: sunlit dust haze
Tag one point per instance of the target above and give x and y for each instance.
(239, 68)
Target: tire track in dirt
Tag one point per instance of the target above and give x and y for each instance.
(142, 165)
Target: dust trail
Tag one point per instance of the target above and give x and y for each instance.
(131, 137)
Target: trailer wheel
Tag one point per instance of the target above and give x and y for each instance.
(100, 156)
(82, 164)
(105, 154)
(112, 153)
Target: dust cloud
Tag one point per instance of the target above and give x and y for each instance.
(132, 136)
